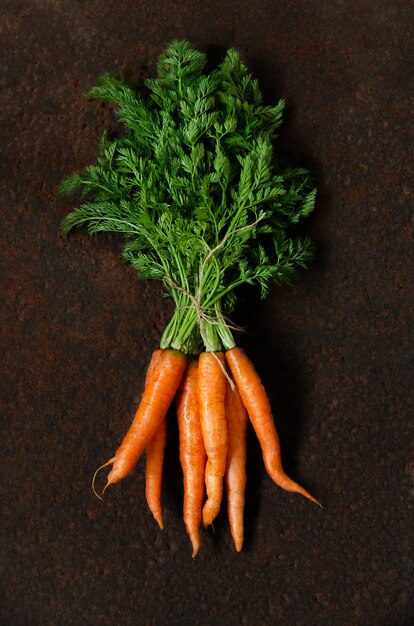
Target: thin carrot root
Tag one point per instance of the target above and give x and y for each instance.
(236, 418)
(153, 472)
(211, 393)
(95, 475)
(155, 457)
(192, 453)
(275, 470)
(257, 403)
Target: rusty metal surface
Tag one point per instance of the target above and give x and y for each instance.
(335, 352)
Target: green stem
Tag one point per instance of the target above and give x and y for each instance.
(217, 297)
(181, 331)
(210, 336)
(223, 330)
(187, 333)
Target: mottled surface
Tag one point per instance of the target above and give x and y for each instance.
(335, 352)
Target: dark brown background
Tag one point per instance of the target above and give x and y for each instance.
(334, 352)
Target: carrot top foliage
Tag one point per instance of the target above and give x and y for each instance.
(197, 190)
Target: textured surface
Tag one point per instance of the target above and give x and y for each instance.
(335, 352)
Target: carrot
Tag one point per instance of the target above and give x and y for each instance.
(257, 403)
(155, 457)
(211, 393)
(236, 418)
(192, 453)
(153, 407)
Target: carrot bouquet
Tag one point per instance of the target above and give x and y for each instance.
(205, 206)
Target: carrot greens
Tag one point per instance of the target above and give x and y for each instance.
(196, 188)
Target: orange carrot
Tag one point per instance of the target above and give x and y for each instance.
(153, 471)
(257, 404)
(192, 453)
(155, 456)
(211, 389)
(153, 407)
(236, 418)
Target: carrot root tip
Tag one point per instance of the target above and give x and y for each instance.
(195, 542)
(206, 522)
(208, 515)
(158, 519)
(311, 498)
(238, 543)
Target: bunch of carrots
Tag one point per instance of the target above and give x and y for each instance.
(205, 206)
(212, 410)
